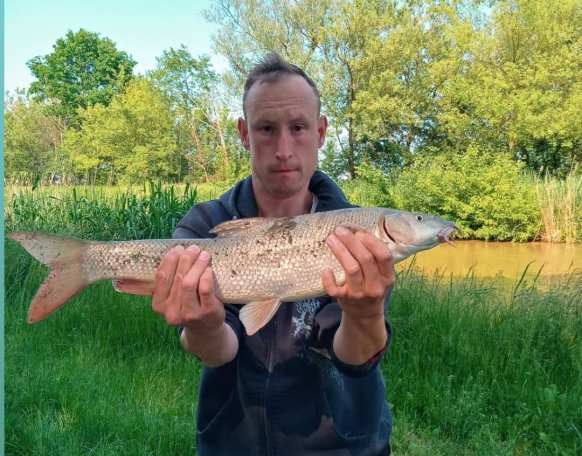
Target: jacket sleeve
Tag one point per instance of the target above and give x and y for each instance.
(326, 323)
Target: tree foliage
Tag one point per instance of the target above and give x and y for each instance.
(408, 78)
(32, 138)
(478, 187)
(83, 70)
(130, 140)
(404, 83)
(205, 127)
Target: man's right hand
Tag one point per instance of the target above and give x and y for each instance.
(183, 290)
(183, 293)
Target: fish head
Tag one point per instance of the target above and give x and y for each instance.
(407, 233)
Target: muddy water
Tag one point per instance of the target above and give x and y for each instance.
(505, 259)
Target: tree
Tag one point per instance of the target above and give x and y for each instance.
(130, 140)
(420, 50)
(324, 37)
(521, 90)
(205, 130)
(83, 70)
(32, 138)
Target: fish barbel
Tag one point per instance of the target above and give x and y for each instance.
(259, 262)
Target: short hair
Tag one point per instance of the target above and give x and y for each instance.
(271, 69)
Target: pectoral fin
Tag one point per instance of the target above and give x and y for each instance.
(132, 286)
(255, 315)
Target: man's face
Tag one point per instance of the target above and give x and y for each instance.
(283, 132)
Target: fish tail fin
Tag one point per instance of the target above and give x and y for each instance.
(66, 277)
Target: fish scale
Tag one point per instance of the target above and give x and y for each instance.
(259, 262)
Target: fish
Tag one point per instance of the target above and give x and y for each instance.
(257, 262)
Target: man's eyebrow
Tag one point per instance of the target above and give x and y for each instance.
(299, 118)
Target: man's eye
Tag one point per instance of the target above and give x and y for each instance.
(298, 128)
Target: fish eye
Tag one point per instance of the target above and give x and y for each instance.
(419, 218)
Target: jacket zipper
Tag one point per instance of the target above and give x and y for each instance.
(270, 337)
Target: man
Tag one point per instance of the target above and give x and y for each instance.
(308, 383)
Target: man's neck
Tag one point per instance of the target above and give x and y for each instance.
(270, 206)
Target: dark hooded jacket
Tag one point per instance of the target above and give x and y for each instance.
(286, 393)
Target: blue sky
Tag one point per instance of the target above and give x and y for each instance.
(142, 28)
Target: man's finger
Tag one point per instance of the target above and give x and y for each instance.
(380, 251)
(343, 254)
(329, 283)
(164, 277)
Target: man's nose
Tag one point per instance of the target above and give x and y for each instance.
(284, 149)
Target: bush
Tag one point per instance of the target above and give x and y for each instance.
(371, 188)
(485, 192)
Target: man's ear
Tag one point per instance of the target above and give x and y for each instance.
(243, 133)
(321, 130)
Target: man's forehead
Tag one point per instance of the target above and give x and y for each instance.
(290, 93)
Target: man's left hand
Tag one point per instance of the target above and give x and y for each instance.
(369, 271)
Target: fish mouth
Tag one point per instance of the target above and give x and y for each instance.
(443, 235)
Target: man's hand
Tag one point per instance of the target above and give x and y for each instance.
(370, 276)
(183, 293)
(184, 290)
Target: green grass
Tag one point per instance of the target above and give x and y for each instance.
(104, 376)
(469, 372)
(107, 213)
(472, 369)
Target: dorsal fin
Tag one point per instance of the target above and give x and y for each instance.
(234, 226)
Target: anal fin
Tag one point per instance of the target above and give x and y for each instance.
(257, 314)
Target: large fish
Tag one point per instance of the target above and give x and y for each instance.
(259, 262)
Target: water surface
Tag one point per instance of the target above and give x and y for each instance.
(501, 259)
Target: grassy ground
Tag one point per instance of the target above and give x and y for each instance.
(471, 370)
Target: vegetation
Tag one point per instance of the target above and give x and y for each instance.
(100, 213)
(464, 109)
(68, 83)
(489, 197)
(471, 370)
(560, 202)
(402, 82)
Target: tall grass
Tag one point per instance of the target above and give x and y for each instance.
(475, 371)
(561, 208)
(149, 212)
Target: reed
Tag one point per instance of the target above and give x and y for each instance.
(104, 213)
(560, 202)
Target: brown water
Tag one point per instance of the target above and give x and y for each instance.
(501, 259)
